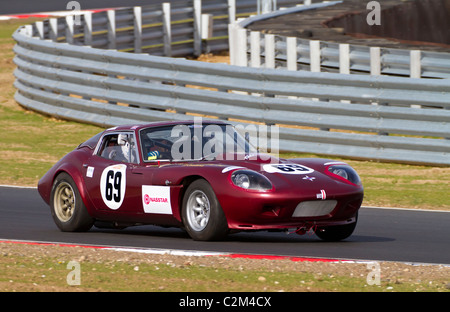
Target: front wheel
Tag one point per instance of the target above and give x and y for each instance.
(202, 214)
(67, 207)
(335, 233)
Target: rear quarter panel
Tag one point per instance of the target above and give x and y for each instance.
(72, 164)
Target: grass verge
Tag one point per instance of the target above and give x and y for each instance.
(36, 268)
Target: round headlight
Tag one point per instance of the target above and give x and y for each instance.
(252, 180)
(340, 172)
(345, 173)
(242, 180)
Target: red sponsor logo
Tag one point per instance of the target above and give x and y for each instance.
(148, 199)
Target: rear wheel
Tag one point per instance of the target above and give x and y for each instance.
(335, 233)
(67, 207)
(202, 214)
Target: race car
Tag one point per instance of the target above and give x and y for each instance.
(203, 177)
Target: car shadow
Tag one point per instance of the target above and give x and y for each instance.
(243, 237)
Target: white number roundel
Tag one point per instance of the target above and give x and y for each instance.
(113, 185)
(287, 169)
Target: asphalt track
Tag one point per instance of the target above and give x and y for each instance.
(381, 234)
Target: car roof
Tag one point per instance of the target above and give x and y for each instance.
(164, 123)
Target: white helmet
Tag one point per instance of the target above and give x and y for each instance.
(123, 142)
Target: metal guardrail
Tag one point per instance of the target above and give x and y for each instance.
(272, 51)
(317, 112)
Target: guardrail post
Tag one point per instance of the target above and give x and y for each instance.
(167, 31)
(88, 28)
(344, 62)
(255, 49)
(266, 6)
(344, 58)
(207, 30)
(241, 47)
(375, 61)
(314, 55)
(69, 29)
(232, 43)
(207, 26)
(137, 21)
(415, 65)
(291, 53)
(53, 29)
(269, 51)
(40, 29)
(415, 68)
(111, 16)
(197, 27)
(231, 11)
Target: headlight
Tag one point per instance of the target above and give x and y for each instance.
(251, 180)
(345, 173)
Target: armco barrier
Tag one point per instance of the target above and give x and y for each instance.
(270, 50)
(348, 115)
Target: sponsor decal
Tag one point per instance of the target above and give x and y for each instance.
(156, 199)
(113, 185)
(287, 169)
(90, 172)
(148, 199)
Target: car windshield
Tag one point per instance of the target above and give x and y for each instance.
(194, 142)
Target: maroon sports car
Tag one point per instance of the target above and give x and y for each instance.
(202, 177)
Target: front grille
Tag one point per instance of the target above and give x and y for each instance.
(314, 208)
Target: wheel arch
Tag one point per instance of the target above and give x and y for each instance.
(217, 224)
(185, 182)
(78, 180)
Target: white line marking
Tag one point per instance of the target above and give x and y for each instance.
(19, 187)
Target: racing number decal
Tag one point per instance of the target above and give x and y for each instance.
(113, 185)
(113, 188)
(287, 168)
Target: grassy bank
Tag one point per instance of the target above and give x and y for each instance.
(37, 268)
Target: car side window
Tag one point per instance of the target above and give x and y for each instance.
(157, 143)
(119, 147)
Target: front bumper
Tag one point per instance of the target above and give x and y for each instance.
(264, 211)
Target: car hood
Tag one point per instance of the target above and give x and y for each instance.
(305, 174)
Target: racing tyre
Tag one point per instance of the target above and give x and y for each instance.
(202, 214)
(67, 207)
(337, 232)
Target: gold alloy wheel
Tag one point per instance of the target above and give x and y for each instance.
(64, 201)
